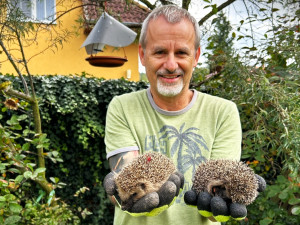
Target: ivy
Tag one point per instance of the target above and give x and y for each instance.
(73, 110)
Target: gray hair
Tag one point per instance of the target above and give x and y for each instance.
(173, 14)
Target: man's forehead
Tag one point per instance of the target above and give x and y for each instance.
(163, 33)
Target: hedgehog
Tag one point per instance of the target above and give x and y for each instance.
(145, 174)
(227, 179)
(223, 188)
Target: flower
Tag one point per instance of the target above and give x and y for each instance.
(11, 103)
(4, 85)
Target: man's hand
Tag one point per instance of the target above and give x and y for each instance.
(153, 203)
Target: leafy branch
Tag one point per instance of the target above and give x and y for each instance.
(214, 11)
(208, 78)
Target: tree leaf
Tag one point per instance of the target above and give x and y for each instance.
(27, 174)
(14, 170)
(22, 117)
(15, 208)
(275, 10)
(265, 221)
(214, 20)
(294, 201)
(10, 197)
(12, 220)
(283, 195)
(296, 210)
(214, 8)
(26, 146)
(240, 37)
(19, 178)
(39, 170)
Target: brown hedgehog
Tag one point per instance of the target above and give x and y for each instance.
(145, 174)
(227, 179)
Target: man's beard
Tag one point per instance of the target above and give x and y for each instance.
(167, 89)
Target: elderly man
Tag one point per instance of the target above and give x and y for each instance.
(186, 125)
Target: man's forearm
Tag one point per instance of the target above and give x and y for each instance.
(117, 162)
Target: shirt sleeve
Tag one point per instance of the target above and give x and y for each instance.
(227, 142)
(118, 136)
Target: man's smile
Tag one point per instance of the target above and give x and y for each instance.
(169, 78)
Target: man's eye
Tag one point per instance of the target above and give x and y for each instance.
(159, 52)
(181, 53)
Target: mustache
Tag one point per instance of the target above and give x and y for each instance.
(164, 72)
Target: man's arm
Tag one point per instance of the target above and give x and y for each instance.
(117, 163)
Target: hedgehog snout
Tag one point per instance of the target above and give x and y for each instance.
(129, 199)
(218, 188)
(127, 205)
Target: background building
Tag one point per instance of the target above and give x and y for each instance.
(76, 19)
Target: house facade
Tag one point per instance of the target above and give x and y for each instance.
(73, 20)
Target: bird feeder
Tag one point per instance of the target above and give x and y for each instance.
(107, 31)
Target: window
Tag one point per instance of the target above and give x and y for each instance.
(38, 10)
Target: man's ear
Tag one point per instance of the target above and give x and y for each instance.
(197, 55)
(141, 54)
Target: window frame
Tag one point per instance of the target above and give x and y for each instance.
(34, 13)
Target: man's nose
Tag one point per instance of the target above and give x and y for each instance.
(170, 63)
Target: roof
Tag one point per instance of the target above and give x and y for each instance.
(127, 14)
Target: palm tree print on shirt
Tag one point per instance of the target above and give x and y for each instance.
(189, 140)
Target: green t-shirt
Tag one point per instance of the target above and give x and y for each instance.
(208, 128)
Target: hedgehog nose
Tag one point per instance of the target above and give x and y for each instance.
(125, 207)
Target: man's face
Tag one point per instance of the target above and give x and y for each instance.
(169, 56)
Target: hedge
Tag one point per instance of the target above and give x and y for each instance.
(73, 110)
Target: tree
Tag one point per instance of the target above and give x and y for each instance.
(220, 44)
(18, 140)
(15, 34)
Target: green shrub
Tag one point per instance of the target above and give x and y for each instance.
(73, 110)
(270, 116)
(21, 200)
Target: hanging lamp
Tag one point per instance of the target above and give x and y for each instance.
(107, 31)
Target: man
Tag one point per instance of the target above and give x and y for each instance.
(186, 125)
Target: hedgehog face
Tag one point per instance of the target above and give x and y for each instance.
(140, 190)
(218, 188)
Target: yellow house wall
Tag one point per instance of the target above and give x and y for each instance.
(70, 58)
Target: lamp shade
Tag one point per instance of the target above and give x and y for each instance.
(108, 31)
